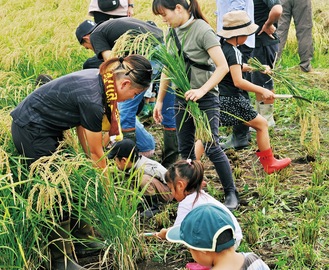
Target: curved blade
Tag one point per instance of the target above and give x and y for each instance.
(282, 96)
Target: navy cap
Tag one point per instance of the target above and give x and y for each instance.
(124, 148)
(85, 28)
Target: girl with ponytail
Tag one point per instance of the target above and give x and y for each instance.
(201, 48)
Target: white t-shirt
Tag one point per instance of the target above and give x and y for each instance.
(186, 205)
(224, 6)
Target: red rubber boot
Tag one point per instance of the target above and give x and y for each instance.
(271, 164)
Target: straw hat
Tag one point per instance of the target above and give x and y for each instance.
(237, 23)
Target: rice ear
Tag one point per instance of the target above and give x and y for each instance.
(174, 68)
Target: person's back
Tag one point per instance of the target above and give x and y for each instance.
(124, 9)
(59, 104)
(105, 35)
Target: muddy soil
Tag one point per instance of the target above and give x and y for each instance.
(243, 161)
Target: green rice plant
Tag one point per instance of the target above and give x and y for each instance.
(279, 76)
(304, 255)
(53, 193)
(109, 202)
(251, 231)
(308, 231)
(173, 67)
(22, 238)
(320, 173)
(164, 218)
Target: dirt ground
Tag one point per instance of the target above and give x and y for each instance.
(245, 167)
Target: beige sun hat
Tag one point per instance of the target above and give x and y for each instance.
(237, 23)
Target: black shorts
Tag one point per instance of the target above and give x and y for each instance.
(235, 110)
(33, 142)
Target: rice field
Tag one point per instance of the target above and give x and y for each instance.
(283, 216)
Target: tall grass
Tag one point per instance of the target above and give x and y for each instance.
(112, 210)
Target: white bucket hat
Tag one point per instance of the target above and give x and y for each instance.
(237, 23)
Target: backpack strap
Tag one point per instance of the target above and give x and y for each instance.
(187, 60)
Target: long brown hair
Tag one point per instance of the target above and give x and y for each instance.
(191, 6)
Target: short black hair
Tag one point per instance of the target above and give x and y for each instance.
(124, 149)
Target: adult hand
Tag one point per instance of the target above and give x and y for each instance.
(157, 112)
(130, 12)
(194, 94)
(269, 30)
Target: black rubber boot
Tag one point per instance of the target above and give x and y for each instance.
(240, 138)
(61, 249)
(87, 244)
(151, 207)
(232, 201)
(170, 152)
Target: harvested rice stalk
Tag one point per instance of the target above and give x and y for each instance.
(278, 76)
(309, 120)
(174, 68)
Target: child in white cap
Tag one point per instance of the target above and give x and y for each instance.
(208, 231)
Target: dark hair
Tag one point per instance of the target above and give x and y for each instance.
(193, 7)
(134, 66)
(133, 156)
(192, 171)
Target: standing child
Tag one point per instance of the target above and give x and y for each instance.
(185, 180)
(201, 45)
(237, 26)
(209, 232)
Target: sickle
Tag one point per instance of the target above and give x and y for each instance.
(282, 96)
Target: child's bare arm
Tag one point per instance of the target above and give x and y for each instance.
(243, 84)
(162, 234)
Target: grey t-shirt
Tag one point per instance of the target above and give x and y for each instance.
(151, 168)
(196, 39)
(253, 262)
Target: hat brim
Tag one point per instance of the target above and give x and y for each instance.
(245, 31)
(173, 235)
(91, 30)
(111, 155)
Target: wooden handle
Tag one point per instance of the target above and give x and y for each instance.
(280, 96)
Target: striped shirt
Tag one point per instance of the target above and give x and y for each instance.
(253, 262)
